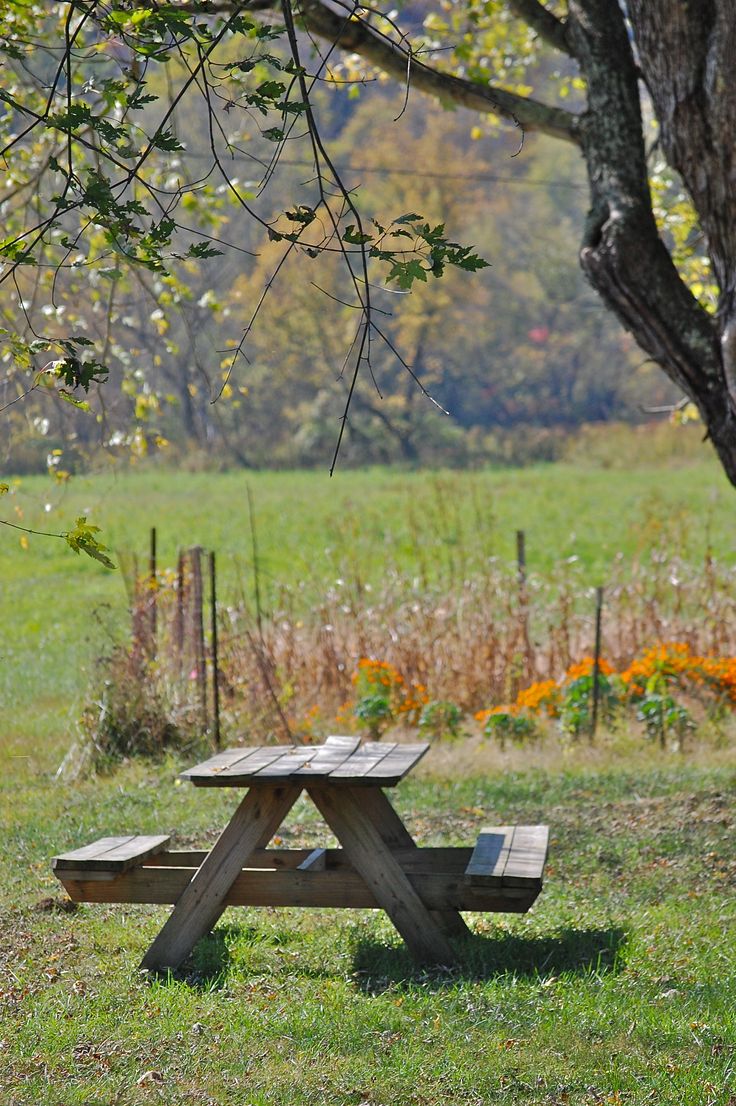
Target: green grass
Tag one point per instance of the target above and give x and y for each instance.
(619, 986)
(58, 611)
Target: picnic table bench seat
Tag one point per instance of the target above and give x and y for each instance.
(503, 872)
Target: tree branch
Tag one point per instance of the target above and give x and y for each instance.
(361, 38)
(357, 36)
(541, 20)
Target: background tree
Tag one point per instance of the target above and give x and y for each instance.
(677, 59)
(99, 180)
(520, 354)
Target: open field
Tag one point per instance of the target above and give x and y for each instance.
(619, 986)
(57, 610)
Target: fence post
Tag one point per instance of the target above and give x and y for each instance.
(152, 597)
(521, 559)
(200, 663)
(179, 615)
(213, 626)
(523, 601)
(596, 660)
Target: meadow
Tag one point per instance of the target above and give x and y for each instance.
(618, 987)
(59, 611)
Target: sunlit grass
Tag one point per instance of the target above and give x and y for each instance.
(617, 988)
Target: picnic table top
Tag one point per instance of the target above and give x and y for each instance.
(340, 761)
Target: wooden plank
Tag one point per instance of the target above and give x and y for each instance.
(342, 741)
(342, 758)
(315, 862)
(509, 856)
(397, 837)
(362, 841)
(284, 765)
(307, 761)
(388, 823)
(451, 860)
(329, 757)
(490, 855)
(236, 767)
(274, 859)
(397, 764)
(217, 763)
(527, 857)
(202, 901)
(238, 774)
(366, 757)
(115, 854)
(243, 772)
(295, 888)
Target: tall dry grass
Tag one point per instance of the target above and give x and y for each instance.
(467, 626)
(477, 642)
(473, 636)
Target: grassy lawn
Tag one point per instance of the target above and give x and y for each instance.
(618, 987)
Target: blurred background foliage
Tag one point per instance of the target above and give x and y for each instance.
(521, 355)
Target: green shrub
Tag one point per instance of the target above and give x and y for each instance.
(440, 718)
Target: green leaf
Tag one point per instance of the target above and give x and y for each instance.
(472, 263)
(354, 237)
(406, 272)
(302, 214)
(166, 140)
(82, 540)
(81, 404)
(80, 374)
(139, 100)
(271, 90)
(202, 249)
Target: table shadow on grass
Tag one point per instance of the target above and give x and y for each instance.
(211, 961)
(578, 951)
(377, 966)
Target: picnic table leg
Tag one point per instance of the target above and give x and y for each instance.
(349, 816)
(395, 834)
(202, 902)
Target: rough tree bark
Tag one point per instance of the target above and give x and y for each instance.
(622, 253)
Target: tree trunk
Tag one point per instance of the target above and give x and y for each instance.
(622, 253)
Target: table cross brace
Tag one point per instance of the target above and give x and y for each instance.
(368, 828)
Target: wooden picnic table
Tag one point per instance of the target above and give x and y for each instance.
(422, 890)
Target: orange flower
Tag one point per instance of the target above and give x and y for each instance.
(585, 668)
(540, 695)
(506, 708)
